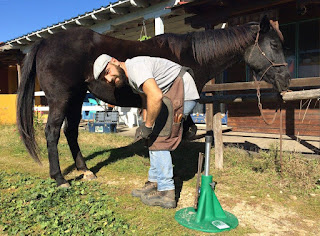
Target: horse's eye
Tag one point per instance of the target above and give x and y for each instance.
(274, 44)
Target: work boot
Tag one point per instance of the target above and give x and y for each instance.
(147, 188)
(165, 199)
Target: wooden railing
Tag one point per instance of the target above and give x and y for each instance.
(295, 83)
(213, 114)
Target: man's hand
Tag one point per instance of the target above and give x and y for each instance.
(143, 132)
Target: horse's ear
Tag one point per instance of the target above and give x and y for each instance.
(265, 24)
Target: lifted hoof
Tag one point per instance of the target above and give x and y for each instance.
(88, 175)
(65, 185)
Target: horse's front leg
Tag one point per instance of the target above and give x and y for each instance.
(52, 132)
(71, 132)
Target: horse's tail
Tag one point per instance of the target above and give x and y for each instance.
(25, 102)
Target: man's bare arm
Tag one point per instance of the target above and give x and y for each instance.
(154, 101)
(144, 106)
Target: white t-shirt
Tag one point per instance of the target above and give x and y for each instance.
(164, 72)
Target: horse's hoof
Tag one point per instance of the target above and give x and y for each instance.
(65, 185)
(88, 175)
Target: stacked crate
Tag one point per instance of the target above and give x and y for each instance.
(105, 122)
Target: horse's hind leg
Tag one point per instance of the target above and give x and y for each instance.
(52, 131)
(71, 131)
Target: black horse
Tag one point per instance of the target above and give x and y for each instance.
(63, 65)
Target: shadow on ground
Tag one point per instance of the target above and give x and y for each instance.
(184, 158)
(115, 155)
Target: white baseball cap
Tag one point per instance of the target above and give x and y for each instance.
(99, 64)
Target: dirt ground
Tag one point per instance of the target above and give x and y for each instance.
(266, 218)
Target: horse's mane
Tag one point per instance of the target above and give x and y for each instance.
(209, 44)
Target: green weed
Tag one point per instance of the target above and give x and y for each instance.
(30, 205)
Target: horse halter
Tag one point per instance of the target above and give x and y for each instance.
(272, 64)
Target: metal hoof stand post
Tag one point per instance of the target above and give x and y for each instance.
(209, 217)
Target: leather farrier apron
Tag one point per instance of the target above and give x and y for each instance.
(167, 131)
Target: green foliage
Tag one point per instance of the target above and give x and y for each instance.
(30, 205)
(144, 37)
(37, 119)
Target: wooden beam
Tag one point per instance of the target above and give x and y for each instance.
(200, 21)
(119, 10)
(198, 7)
(100, 16)
(265, 97)
(139, 3)
(234, 86)
(219, 14)
(68, 26)
(295, 83)
(84, 22)
(239, 98)
(300, 95)
(305, 82)
(258, 6)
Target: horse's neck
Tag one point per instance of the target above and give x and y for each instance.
(172, 49)
(218, 65)
(218, 55)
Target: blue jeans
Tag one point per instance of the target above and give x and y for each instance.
(161, 169)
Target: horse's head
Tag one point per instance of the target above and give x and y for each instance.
(266, 56)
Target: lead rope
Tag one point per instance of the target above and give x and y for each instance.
(260, 104)
(272, 64)
(273, 119)
(257, 83)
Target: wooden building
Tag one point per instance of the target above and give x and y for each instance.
(300, 24)
(299, 21)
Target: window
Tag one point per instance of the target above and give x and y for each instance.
(309, 49)
(302, 48)
(289, 47)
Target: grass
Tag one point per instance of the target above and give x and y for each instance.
(32, 205)
(91, 207)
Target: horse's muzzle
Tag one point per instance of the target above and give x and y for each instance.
(282, 81)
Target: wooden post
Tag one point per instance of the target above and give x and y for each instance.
(19, 74)
(217, 133)
(209, 111)
(209, 116)
(217, 128)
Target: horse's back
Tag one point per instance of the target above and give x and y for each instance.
(74, 43)
(61, 62)
(65, 55)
